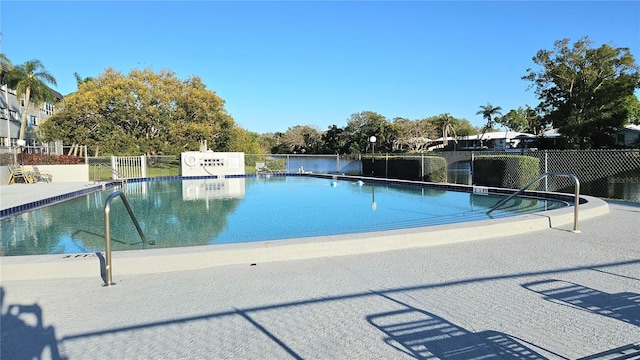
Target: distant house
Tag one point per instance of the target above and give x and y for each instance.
(497, 141)
(551, 139)
(503, 141)
(628, 136)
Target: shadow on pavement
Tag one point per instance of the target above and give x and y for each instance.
(23, 333)
(424, 335)
(621, 306)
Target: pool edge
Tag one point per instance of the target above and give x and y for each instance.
(33, 267)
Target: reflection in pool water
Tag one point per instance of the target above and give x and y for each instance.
(218, 211)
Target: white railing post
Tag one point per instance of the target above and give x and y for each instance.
(114, 168)
(143, 166)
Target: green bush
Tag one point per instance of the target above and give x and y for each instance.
(435, 169)
(505, 171)
(399, 168)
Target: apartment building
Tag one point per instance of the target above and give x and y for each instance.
(11, 109)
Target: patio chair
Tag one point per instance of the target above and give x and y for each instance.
(261, 168)
(20, 174)
(42, 175)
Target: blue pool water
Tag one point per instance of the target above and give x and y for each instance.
(219, 211)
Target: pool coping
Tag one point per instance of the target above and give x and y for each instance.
(34, 267)
(50, 200)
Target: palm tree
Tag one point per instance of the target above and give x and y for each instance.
(29, 81)
(81, 80)
(447, 121)
(488, 112)
(4, 60)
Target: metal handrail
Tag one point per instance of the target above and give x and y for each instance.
(107, 231)
(576, 200)
(112, 170)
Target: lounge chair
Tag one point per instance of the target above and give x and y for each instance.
(21, 174)
(42, 175)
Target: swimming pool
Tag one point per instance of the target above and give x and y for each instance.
(179, 213)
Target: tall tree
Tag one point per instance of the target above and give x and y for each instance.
(304, 139)
(244, 141)
(488, 112)
(143, 112)
(333, 141)
(514, 120)
(464, 128)
(447, 124)
(81, 80)
(30, 81)
(632, 108)
(361, 126)
(4, 60)
(415, 134)
(582, 89)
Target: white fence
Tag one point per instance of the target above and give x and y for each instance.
(127, 167)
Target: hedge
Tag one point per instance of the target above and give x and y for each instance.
(435, 168)
(43, 159)
(505, 171)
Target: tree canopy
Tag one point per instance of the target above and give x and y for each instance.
(587, 93)
(144, 112)
(582, 89)
(397, 135)
(522, 120)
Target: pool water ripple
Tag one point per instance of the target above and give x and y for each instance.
(220, 211)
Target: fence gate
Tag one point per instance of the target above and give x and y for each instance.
(126, 167)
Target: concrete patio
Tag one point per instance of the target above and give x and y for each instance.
(549, 293)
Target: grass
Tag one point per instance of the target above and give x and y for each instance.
(163, 170)
(155, 170)
(103, 173)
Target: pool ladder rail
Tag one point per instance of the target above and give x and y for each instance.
(107, 232)
(576, 201)
(113, 171)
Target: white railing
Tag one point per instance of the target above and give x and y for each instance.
(127, 167)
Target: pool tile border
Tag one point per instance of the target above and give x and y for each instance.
(15, 210)
(12, 211)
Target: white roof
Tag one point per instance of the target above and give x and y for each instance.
(632, 127)
(551, 133)
(490, 136)
(498, 135)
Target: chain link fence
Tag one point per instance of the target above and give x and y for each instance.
(613, 174)
(300, 163)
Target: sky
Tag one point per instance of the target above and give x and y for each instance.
(279, 64)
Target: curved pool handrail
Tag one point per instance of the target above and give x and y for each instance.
(107, 230)
(113, 172)
(551, 173)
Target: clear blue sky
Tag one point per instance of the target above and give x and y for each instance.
(280, 64)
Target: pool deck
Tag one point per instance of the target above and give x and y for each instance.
(515, 289)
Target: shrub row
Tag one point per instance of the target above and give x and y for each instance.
(433, 169)
(42, 159)
(505, 171)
